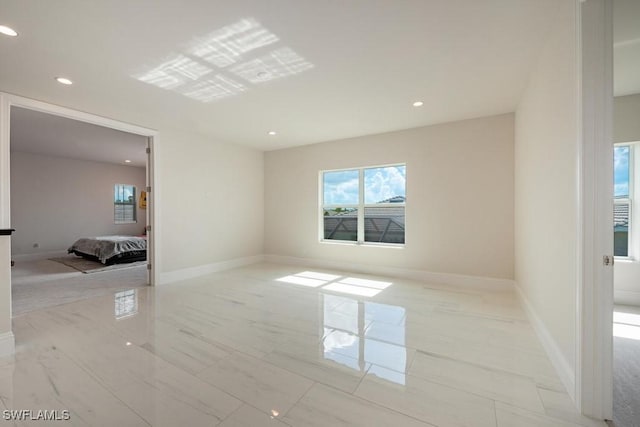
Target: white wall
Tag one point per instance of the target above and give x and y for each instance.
(459, 214)
(626, 128)
(626, 118)
(55, 201)
(211, 201)
(546, 162)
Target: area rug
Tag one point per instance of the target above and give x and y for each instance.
(88, 266)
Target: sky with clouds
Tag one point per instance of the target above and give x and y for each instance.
(621, 171)
(341, 187)
(123, 192)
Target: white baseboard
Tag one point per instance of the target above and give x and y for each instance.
(626, 297)
(203, 270)
(39, 255)
(457, 280)
(559, 362)
(7, 344)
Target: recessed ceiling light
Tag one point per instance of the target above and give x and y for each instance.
(127, 161)
(7, 31)
(418, 104)
(64, 80)
(272, 132)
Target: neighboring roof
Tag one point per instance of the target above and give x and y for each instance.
(621, 215)
(394, 199)
(381, 223)
(374, 211)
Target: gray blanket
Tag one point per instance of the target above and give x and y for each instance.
(105, 247)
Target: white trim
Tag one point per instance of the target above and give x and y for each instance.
(594, 291)
(626, 297)
(456, 280)
(39, 255)
(153, 209)
(5, 160)
(203, 270)
(7, 344)
(44, 107)
(562, 366)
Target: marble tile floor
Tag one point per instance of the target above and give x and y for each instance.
(281, 345)
(40, 284)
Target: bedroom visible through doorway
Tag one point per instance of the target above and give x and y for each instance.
(76, 235)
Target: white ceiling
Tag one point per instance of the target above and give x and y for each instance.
(626, 54)
(46, 134)
(344, 68)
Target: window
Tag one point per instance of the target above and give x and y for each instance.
(364, 205)
(124, 204)
(622, 202)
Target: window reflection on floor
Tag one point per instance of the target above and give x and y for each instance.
(365, 336)
(126, 303)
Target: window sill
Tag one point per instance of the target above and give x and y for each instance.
(125, 222)
(366, 244)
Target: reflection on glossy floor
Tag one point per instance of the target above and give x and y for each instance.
(277, 345)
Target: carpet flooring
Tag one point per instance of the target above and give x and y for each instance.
(626, 369)
(44, 283)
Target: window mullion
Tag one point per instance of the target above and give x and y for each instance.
(632, 237)
(361, 206)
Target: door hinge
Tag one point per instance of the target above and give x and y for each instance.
(607, 260)
(148, 228)
(148, 266)
(148, 189)
(148, 150)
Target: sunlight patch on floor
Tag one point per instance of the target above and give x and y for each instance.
(334, 283)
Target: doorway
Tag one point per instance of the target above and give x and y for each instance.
(626, 149)
(65, 189)
(11, 104)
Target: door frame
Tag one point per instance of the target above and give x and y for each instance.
(9, 100)
(594, 305)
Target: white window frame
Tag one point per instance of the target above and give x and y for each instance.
(360, 206)
(633, 239)
(135, 210)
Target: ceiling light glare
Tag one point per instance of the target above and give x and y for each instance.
(418, 104)
(64, 81)
(127, 161)
(272, 132)
(277, 64)
(7, 31)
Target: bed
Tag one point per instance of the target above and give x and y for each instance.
(111, 249)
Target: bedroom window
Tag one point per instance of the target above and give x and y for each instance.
(124, 204)
(623, 161)
(364, 205)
